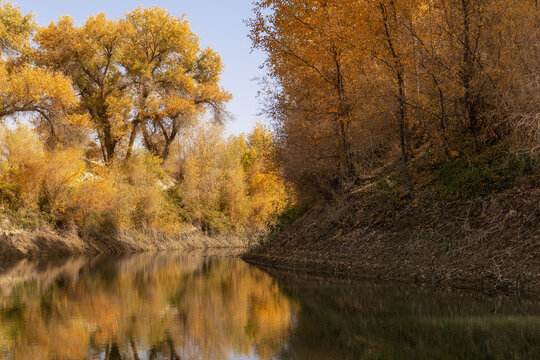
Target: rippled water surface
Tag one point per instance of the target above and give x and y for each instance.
(202, 306)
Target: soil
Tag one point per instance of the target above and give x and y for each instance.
(44, 243)
(489, 243)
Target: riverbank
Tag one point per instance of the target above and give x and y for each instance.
(475, 227)
(489, 243)
(47, 242)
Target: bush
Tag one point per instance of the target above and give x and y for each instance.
(284, 218)
(482, 174)
(224, 186)
(10, 194)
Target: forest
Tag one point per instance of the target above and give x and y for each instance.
(410, 133)
(118, 124)
(357, 85)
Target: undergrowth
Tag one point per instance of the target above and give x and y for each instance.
(283, 219)
(480, 175)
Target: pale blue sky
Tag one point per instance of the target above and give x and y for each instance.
(219, 24)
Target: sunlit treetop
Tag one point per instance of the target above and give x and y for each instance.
(143, 75)
(15, 28)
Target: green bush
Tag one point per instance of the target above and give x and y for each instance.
(480, 175)
(287, 216)
(213, 221)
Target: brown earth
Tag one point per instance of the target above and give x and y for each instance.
(489, 243)
(15, 243)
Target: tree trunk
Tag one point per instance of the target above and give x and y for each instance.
(343, 114)
(132, 136)
(403, 129)
(137, 122)
(444, 116)
(134, 348)
(468, 71)
(166, 149)
(398, 70)
(109, 143)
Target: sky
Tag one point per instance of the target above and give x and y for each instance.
(219, 25)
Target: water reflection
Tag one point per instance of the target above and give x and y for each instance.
(194, 306)
(351, 320)
(142, 306)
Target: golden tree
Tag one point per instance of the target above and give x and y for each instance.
(90, 56)
(27, 89)
(144, 73)
(172, 79)
(352, 83)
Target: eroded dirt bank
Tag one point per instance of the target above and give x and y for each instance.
(15, 244)
(490, 244)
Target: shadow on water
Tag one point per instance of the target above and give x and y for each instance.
(210, 306)
(355, 320)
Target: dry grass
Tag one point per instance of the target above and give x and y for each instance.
(489, 242)
(48, 243)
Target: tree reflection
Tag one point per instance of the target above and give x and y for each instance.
(178, 306)
(160, 306)
(356, 320)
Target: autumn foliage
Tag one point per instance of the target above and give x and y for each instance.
(118, 124)
(354, 85)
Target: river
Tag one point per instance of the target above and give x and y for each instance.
(197, 305)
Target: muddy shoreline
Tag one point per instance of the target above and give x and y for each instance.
(343, 272)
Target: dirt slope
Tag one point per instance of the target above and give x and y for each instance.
(489, 243)
(41, 243)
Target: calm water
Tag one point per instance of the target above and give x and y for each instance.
(196, 306)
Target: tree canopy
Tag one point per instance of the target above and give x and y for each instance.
(119, 124)
(144, 74)
(351, 84)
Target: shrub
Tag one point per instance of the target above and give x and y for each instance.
(482, 174)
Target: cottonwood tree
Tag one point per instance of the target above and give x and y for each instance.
(90, 56)
(391, 47)
(144, 73)
(27, 90)
(173, 80)
(443, 75)
(467, 53)
(324, 90)
(15, 29)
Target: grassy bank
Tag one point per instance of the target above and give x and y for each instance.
(473, 224)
